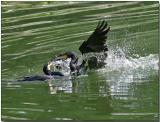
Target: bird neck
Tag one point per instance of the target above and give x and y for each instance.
(46, 70)
(74, 60)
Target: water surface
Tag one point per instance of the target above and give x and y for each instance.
(125, 89)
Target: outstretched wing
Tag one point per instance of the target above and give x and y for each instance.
(97, 41)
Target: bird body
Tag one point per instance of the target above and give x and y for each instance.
(96, 43)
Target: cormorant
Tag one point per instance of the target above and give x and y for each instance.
(96, 43)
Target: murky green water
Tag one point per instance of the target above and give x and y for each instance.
(127, 88)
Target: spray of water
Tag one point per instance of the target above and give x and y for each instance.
(119, 61)
(127, 68)
(121, 71)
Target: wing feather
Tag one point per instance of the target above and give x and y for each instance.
(97, 40)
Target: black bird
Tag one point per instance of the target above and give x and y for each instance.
(75, 68)
(96, 43)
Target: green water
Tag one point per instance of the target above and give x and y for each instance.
(126, 89)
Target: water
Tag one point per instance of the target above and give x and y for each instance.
(125, 89)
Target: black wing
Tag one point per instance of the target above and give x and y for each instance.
(97, 41)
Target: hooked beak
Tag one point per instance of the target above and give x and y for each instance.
(64, 57)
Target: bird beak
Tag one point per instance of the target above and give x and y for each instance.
(64, 57)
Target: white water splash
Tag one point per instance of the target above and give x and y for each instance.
(120, 71)
(128, 69)
(118, 61)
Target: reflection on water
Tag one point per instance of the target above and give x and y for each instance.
(126, 88)
(65, 86)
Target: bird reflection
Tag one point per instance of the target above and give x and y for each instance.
(91, 92)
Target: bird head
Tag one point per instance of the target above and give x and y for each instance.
(65, 56)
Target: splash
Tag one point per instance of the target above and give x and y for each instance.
(121, 71)
(118, 61)
(121, 68)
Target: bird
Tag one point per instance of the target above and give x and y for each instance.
(96, 43)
